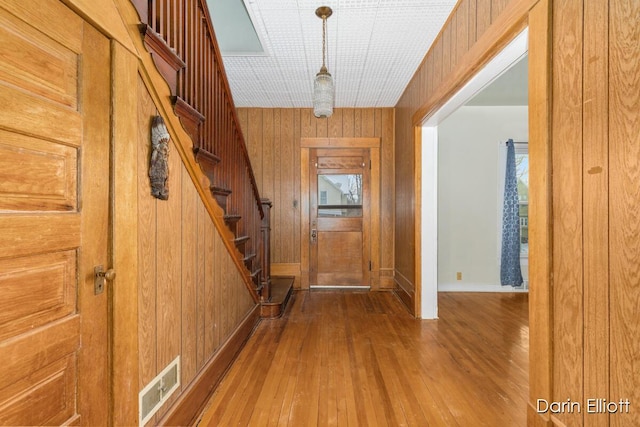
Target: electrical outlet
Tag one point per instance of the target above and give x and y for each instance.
(459, 275)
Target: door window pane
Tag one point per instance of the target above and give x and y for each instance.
(340, 195)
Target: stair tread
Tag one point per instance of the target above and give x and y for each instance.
(249, 257)
(232, 218)
(241, 239)
(206, 157)
(220, 190)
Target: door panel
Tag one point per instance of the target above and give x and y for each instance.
(54, 116)
(339, 252)
(340, 258)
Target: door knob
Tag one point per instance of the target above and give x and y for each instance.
(100, 277)
(109, 275)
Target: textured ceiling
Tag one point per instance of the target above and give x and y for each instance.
(373, 50)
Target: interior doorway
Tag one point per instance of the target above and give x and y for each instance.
(339, 215)
(428, 141)
(340, 247)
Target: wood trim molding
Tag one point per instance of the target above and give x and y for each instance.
(373, 144)
(188, 408)
(510, 22)
(416, 307)
(124, 170)
(405, 291)
(340, 142)
(166, 59)
(540, 213)
(190, 118)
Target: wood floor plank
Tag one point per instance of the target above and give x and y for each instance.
(358, 358)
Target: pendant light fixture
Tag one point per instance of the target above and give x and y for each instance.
(323, 90)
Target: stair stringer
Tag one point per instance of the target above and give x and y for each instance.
(162, 97)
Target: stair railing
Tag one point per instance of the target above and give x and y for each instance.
(180, 36)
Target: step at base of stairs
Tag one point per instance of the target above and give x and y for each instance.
(281, 292)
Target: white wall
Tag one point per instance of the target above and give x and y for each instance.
(469, 185)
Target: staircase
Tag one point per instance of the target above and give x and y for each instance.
(180, 37)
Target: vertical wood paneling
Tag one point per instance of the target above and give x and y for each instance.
(285, 213)
(221, 295)
(211, 274)
(596, 200)
(267, 144)
(147, 344)
(307, 124)
(429, 69)
(453, 40)
(483, 16)
(624, 143)
(254, 131)
(201, 284)
(169, 270)
(189, 257)
(437, 64)
(277, 163)
(295, 183)
(368, 122)
(497, 7)
(304, 219)
(357, 121)
(567, 205)
(445, 51)
(387, 194)
(335, 123)
(348, 122)
(322, 126)
(462, 29)
(472, 21)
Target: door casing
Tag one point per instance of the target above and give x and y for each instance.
(373, 144)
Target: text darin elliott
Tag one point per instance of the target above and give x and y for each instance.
(593, 406)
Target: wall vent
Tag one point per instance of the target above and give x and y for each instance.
(156, 393)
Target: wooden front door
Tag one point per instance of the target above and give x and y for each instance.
(54, 211)
(339, 213)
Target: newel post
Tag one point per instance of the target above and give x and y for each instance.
(265, 250)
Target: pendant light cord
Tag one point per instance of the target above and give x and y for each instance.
(324, 37)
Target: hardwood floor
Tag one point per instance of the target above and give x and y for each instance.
(359, 359)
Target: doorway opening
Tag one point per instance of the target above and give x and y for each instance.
(511, 55)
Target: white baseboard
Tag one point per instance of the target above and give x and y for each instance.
(470, 287)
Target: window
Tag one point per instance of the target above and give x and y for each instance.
(522, 174)
(340, 195)
(323, 197)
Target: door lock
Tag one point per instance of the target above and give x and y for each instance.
(100, 277)
(314, 235)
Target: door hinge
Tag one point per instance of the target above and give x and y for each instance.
(370, 266)
(369, 164)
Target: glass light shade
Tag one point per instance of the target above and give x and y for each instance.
(323, 94)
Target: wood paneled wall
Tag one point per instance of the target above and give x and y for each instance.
(273, 140)
(584, 149)
(473, 30)
(191, 295)
(595, 133)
